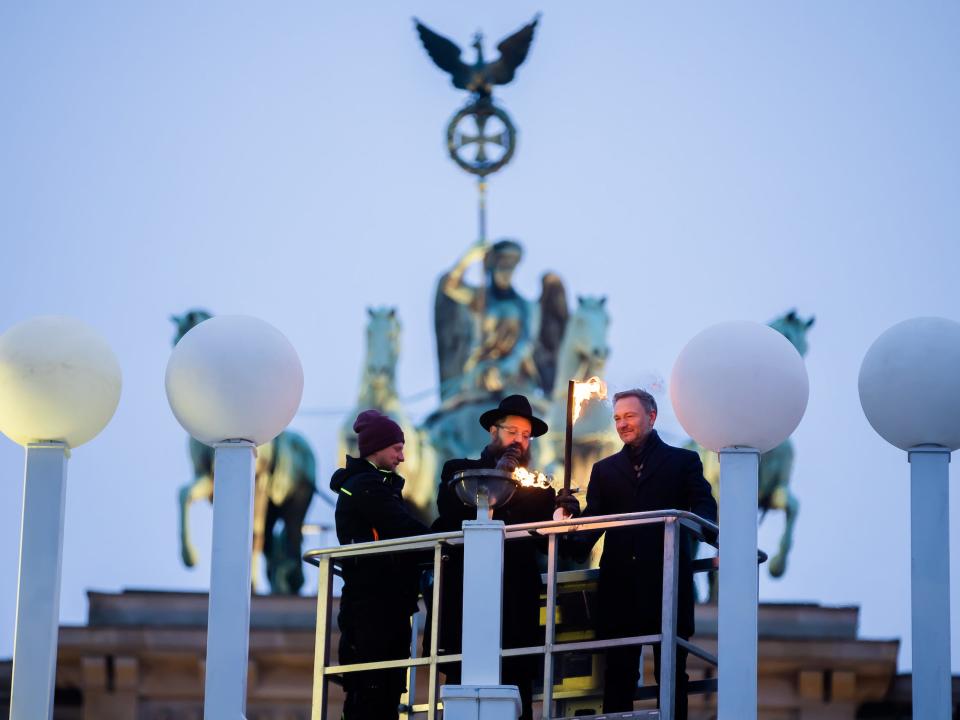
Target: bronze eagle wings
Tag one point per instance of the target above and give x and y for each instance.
(480, 77)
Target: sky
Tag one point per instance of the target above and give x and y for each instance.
(695, 163)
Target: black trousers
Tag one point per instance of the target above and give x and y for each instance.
(520, 620)
(375, 694)
(623, 673)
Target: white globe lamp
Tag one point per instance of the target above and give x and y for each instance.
(910, 393)
(59, 387)
(739, 388)
(233, 382)
(59, 382)
(910, 384)
(234, 377)
(739, 384)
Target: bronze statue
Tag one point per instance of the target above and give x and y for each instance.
(480, 77)
(502, 355)
(490, 344)
(490, 340)
(481, 126)
(378, 391)
(553, 322)
(777, 464)
(285, 485)
(582, 354)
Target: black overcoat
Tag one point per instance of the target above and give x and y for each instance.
(521, 569)
(631, 566)
(370, 507)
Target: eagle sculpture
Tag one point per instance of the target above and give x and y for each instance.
(480, 77)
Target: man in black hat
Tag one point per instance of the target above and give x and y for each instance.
(511, 425)
(379, 592)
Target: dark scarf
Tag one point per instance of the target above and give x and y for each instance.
(638, 454)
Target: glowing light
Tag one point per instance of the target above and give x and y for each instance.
(234, 377)
(59, 380)
(532, 478)
(583, 391)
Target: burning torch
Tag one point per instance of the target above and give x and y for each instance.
(578, 393)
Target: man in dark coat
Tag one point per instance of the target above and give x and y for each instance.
(647, 474)
(379, 592)
(511, 426)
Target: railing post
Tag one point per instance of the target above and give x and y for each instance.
(321, 651)
(481, 695)
(482, 601)
(409, 696)
(435, 630)
(550, 626)
(668, 619)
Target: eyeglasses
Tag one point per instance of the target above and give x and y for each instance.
(513, 432)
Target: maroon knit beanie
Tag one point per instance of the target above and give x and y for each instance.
(375, 431)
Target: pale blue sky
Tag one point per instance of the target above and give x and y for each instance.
(695, 163)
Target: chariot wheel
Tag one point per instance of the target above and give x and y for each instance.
(481, 137)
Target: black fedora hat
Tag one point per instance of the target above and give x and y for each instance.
(514, 405)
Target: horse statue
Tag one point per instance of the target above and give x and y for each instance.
(583, 354)
(285, 485)
(378, 391)
(773, 490)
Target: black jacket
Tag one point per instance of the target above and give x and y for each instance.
(370, 507)
(521, 570)
(631, 566)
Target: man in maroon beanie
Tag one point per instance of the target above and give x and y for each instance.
(379, 592)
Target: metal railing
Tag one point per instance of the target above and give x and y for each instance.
(672, 521)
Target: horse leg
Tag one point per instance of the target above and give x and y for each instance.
(284, 564)
(267, 548)
(261, 525)
(784, 500)
(773, 492)
(200, 488)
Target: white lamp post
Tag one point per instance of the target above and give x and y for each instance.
(481, 696)
(59, 387)
(910, 393)
(740, 389)
(234, 383)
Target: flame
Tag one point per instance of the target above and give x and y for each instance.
(583, 391)
(531, 478)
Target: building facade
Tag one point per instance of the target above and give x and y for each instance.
(141, 657)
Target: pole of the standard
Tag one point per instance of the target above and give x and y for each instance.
(482, 605)
(930, 580)
(482, 208)
(481, 696)
(38, 593)
(737, 623)
(228, 620)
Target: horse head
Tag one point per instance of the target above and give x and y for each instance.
(794, 328)
(187, 321)
(586, 336)
(383, 349)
